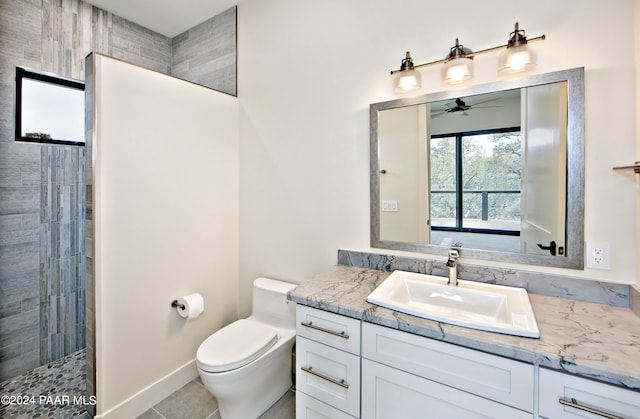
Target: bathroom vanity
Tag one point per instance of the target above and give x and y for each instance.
(355, 359)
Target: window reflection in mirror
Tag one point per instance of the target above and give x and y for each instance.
(49, 109)
(475, 189)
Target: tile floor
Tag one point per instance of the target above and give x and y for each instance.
(54, 390)
(66, 377)
(193, 401)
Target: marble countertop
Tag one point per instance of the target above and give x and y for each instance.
(586, 339)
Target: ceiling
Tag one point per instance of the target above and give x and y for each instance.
(167, 17)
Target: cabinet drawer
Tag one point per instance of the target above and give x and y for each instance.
(388, 393)
(331, 329)
(496, 378)
(578, 394)
(328, 374)
(309, 408)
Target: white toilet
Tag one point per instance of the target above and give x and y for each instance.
(246, 365)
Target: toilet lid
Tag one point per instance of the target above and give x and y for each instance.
(235, 345)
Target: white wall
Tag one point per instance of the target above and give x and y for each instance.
(166, 225)
(307, 72)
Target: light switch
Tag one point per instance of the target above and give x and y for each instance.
(389, 205)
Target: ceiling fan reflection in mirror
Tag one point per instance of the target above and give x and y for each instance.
(459, 107)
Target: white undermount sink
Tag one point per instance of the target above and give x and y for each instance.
(494, 308)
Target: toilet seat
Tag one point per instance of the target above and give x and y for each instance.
(235, 345)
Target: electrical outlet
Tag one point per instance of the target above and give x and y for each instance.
(598, 255)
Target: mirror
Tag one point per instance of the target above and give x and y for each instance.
(495, 169)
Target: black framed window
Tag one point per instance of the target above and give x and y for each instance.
(49, 109)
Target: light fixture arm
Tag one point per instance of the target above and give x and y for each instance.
(422, 65)
(517, 37)
(407, 63)
(537, 38)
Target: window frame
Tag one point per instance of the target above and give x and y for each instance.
(24, 73)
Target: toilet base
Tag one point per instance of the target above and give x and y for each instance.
(249, 391)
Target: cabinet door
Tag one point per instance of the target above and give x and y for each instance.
(388, 393)
(328, 374)
(310, 408)
(329, 328)
(567, 396)
(503, 380)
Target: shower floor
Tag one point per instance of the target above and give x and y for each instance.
(55, 390)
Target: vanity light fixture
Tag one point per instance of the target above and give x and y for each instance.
(518, 56)
(407, 78)
(458, 65)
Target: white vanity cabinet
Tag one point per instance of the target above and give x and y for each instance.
(346, 369)
(327, 364)
(409, 376)
(566, 396)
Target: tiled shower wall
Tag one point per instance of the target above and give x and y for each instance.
(62, 255)
(206, 54)
(45, 190)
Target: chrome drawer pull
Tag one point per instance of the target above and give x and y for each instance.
(310, 325)
(590, 409)
(310, 370)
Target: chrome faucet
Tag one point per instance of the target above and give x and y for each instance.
(452, 265)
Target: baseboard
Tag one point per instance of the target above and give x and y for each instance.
(153, 394)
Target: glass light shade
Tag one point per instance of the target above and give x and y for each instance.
(516, 59)
(407, 80)
(457, 70)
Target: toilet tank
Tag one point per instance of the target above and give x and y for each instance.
(270, 304)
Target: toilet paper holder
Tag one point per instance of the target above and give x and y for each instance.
(175, 303)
